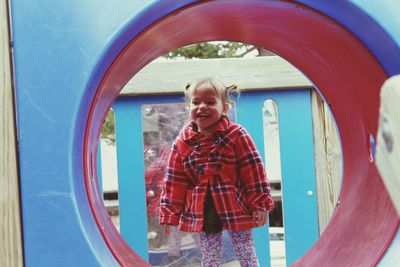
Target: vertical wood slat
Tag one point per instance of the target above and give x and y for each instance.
(10, 222)
(328, 162)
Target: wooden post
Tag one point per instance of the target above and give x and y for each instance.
(10, 221)
(388, 139)
(328, 164)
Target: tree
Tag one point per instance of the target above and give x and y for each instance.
(215, 50)
(108, 130)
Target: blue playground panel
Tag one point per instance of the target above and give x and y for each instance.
(297, 163)
(295, 127)
(61, 52)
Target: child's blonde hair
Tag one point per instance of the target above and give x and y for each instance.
(223, 91)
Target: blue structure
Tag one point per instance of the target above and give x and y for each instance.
(295, 127)
(62, 52)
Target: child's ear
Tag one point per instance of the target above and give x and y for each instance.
(226, 109)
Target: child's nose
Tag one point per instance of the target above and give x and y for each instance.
(203, 105)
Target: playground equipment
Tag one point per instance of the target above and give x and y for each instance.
(71, 61)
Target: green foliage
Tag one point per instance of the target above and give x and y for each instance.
(108, 130)
(211, 50)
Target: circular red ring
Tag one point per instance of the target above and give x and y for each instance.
(339, 65)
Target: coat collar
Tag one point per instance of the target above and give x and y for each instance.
(190, 130)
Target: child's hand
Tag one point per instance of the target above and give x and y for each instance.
(166, 229)
(261, 217)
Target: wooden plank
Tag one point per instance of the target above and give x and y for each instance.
(328, 162)
(388, 139)
(10, 222)
(270, 72)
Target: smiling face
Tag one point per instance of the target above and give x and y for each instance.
(207, 108)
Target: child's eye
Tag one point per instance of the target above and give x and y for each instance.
(211, 103)
(195, 103)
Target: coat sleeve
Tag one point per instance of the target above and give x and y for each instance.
(253, 181)
(175, 185)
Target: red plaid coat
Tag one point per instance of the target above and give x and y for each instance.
(226, 161)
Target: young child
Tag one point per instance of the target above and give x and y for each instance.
(215, 177)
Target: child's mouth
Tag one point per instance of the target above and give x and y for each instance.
(202, 116)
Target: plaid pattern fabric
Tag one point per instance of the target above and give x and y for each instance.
(229, 163)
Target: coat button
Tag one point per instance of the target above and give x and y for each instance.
(196, 144)
(216, 139)
(217, 167)
(200, 169)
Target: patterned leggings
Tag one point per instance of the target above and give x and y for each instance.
(243, 246)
